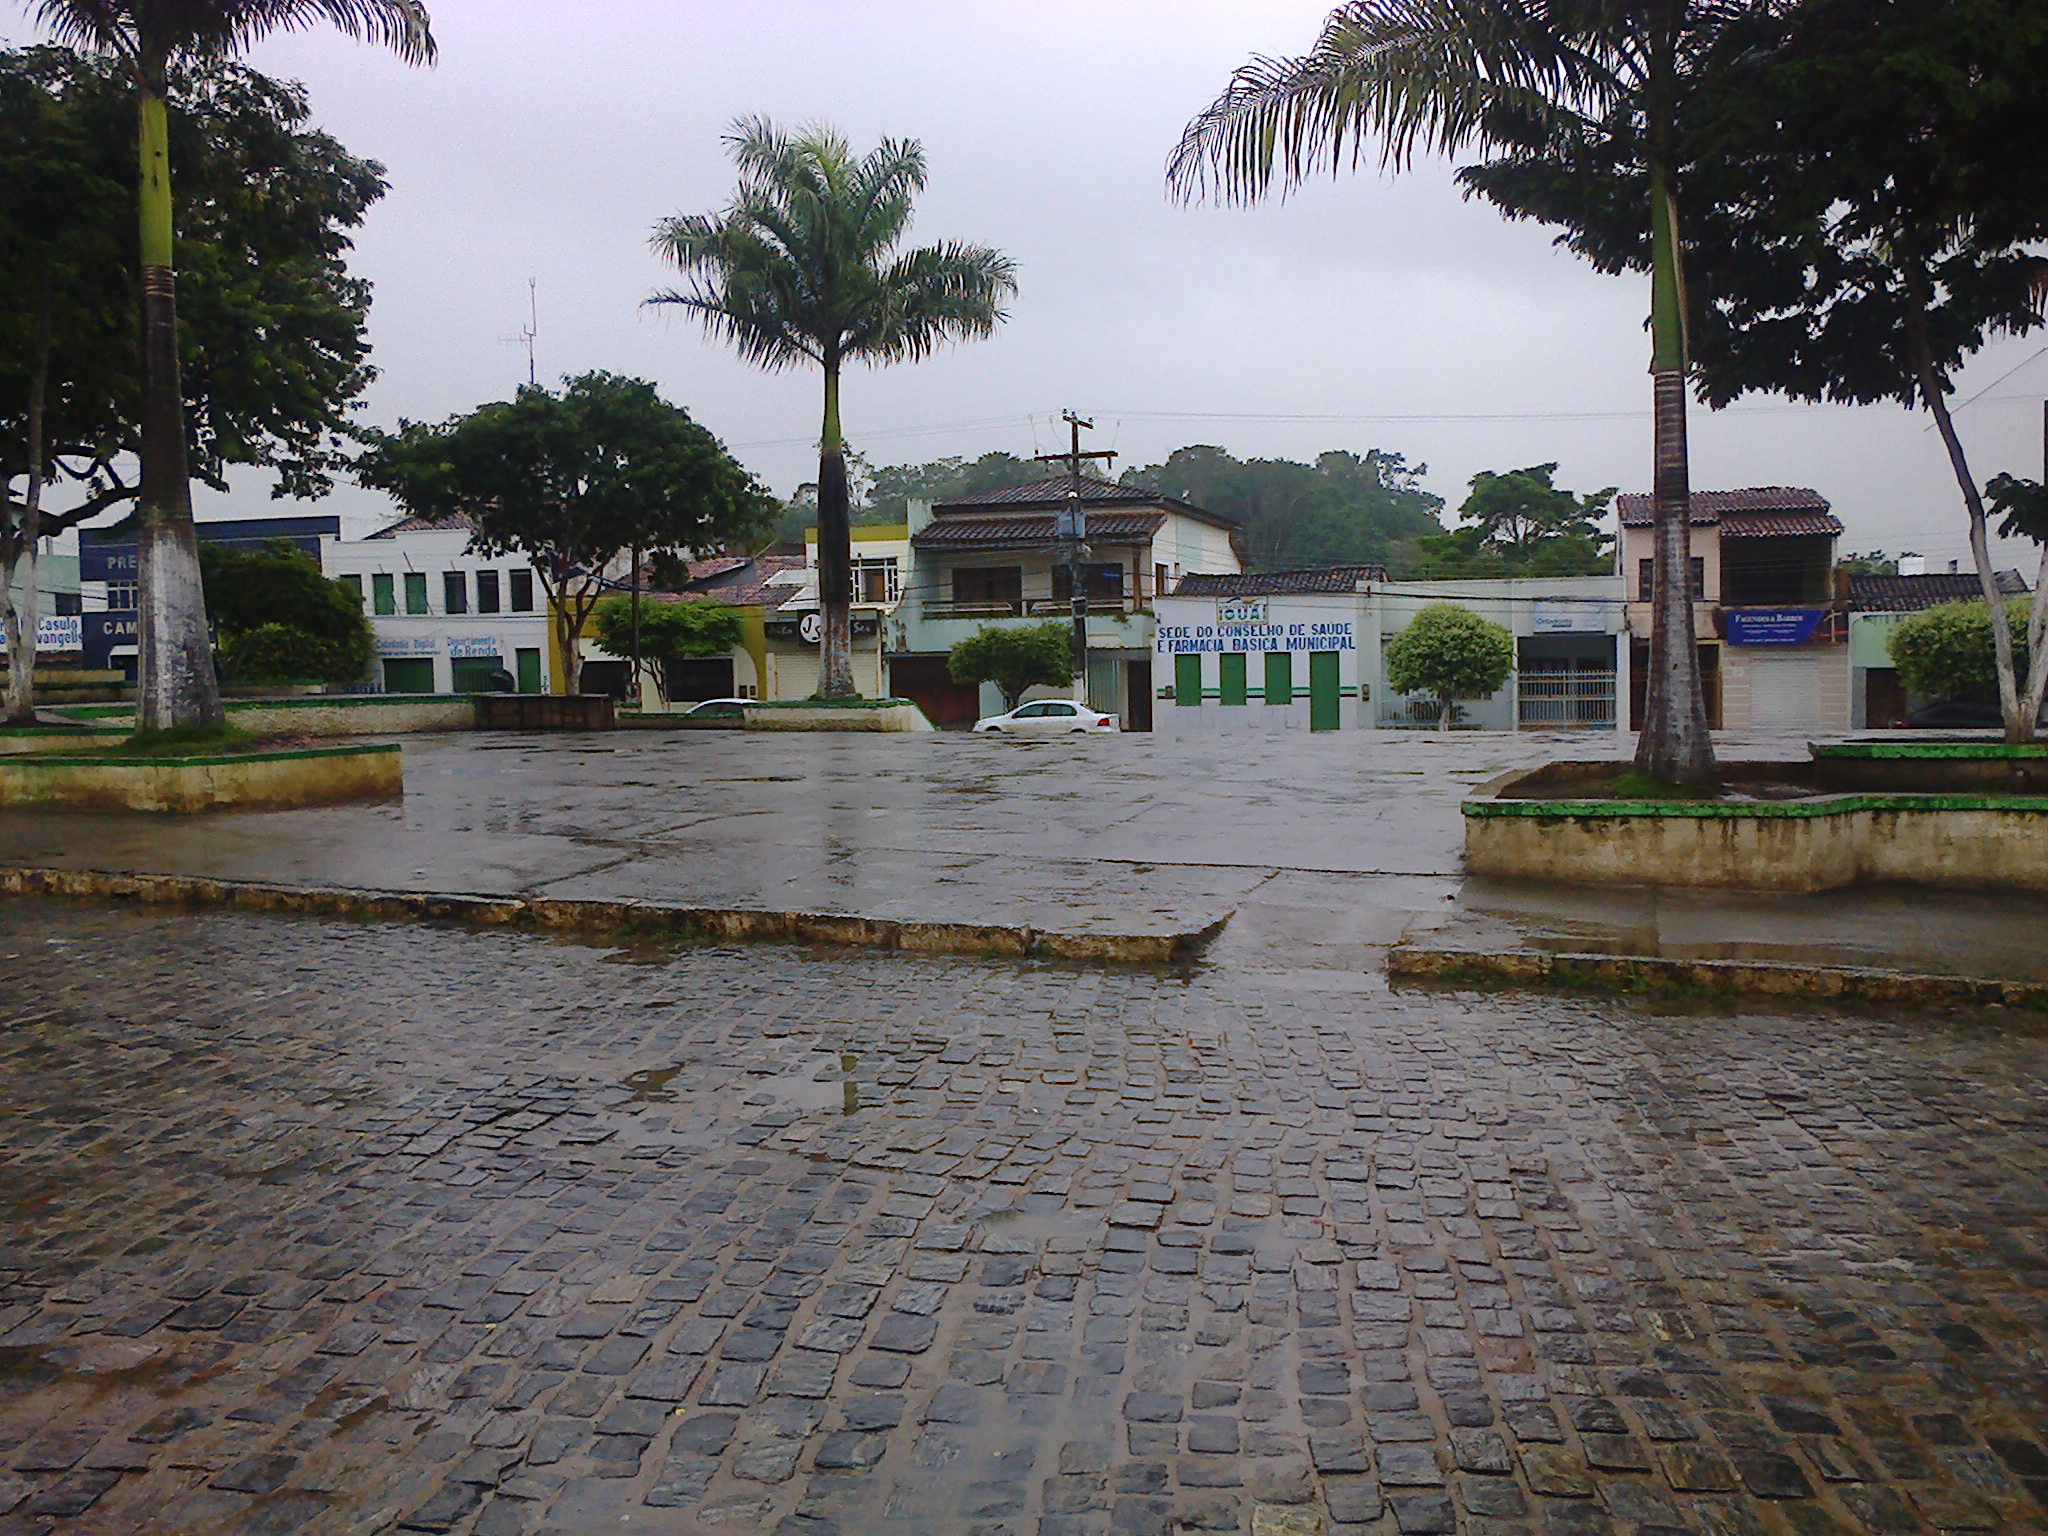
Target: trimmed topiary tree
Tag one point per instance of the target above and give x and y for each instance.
(1450, 653)
(1950, 653)
(1014, 659)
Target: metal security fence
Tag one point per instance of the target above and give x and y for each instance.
(1582, 699)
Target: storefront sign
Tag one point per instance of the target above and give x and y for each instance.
(60, 632)
(106, 562)
(810, 627)
(409, 645)
(106, 633)
(1573, 616)
(473, 645)
(1194, 639)
(1774, 626)
(1240, 610)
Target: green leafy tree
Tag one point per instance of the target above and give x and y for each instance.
(1450, 653)
(1590, 110)
(1951, 652)
(272, 327)
(1519, 523)
(150, 40)
(1345, 508)
(803, 268)
(666, 630)
(1873, 562)
(1901, 230)
(278, 619)
(576, 482)
(1016, 658)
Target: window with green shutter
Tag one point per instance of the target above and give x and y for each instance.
(415, 591)
(383, 599)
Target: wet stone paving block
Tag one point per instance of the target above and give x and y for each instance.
(322, 1227)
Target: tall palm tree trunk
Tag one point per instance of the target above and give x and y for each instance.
(176, 683)
(835, 551)
(1675, 745)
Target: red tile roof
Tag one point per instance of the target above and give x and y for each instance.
(1331, 578)
(744, 581)
(1029, 532)
(1779, 525)
(1909, 594)
(1639, 511)
(1052, 492)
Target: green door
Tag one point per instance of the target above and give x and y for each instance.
(409, 675)
(475, 674)
(528, 669)
(1187, 679)
(1323, 690)
(1230, 679)
(1279, 677)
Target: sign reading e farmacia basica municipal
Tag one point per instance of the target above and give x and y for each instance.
(1246, 624)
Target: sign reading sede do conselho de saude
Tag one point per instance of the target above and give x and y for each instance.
(1247, 624)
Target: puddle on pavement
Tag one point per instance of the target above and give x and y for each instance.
(800, 1090)
(650, 1086)
(1029, 1223)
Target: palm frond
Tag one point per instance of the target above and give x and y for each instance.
(160, 32)
(1405, 75)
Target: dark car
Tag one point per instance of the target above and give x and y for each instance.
(1955, 715)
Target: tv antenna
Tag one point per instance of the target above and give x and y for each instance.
(524, 336)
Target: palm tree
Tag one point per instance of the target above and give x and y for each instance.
(1566, 91)
(802, 267)
(150, 38)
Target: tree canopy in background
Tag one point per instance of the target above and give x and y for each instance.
(1948, 652)
(892, 487)
(272, 328)
(1450, 653)
(670, 630)
(573, 481)
(1519, 523)
(1016, 658)
(278, 619)
(1345, 508)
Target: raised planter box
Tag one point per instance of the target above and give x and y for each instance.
(1932, 767)
(1531, 827)
(204, 782)
(545, 712)
(340, 714)
(839, 715)
(21, 740)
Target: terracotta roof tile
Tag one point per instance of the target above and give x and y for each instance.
(1332, 578)
(1029, 532)
(455, 522)
(1909, 594)
(1052, 492)
(1638, 510)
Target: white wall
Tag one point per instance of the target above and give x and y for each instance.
(437, 635)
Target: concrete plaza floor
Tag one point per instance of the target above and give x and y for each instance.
(366, 1227)
(1321, 850)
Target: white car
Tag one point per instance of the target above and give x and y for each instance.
(716, 709)
(1047, 717)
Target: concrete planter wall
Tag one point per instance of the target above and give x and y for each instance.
(373, 714)
(23, 740)
(247, 781)
(854, 715)
(545, 712)
(1932, 767)
(1963, 841)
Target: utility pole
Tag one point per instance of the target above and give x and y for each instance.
(639, 688)
(1071, 527)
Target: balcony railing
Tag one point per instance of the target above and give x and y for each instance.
(1033, 607)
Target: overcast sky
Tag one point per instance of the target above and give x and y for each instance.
(554, 133)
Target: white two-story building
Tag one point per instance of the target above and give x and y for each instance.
(446, 620)
(996, 558)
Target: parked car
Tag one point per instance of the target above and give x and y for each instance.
(716, 709)
(1047, 717)
(1955, 715)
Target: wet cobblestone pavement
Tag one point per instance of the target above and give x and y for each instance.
(329, 1227)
